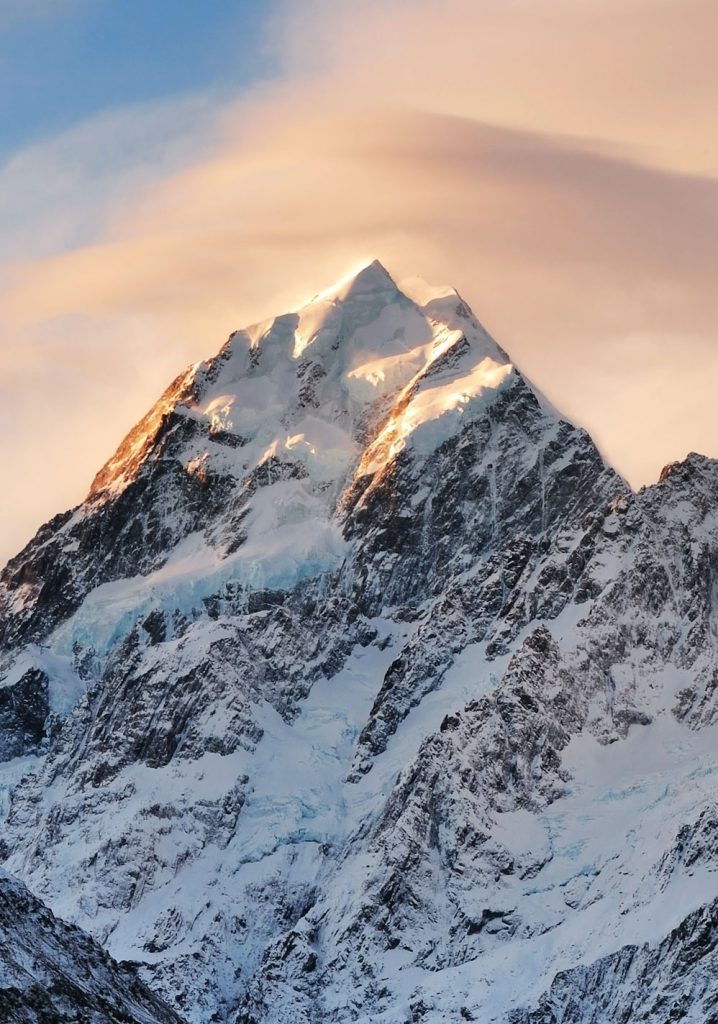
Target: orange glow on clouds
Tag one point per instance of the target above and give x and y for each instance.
(553, 160)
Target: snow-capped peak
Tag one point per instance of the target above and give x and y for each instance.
(282, 423)
(352, 303)
(299, 385)
(345, 353)
(369, 279)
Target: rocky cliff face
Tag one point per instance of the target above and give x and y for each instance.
(360, 688)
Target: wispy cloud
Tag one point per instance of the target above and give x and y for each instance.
(58, 194)
(584, 236)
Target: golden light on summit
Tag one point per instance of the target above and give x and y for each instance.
(559, 171)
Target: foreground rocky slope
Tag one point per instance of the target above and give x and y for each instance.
(360, 689)
(51, 973)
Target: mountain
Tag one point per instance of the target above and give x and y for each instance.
(360, 688)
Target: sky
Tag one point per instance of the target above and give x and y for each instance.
(66, 60)
(171, 171)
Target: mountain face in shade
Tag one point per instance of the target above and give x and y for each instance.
(51, 973)
(361, 689)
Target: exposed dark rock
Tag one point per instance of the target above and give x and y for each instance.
(52, 973)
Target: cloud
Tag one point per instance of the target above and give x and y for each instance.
(638, 74)
(594, 268)
(58, 194)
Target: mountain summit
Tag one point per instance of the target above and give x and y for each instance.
(361, 689)
(309, 402)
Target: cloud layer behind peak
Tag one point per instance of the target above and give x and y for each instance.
(483, 145)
